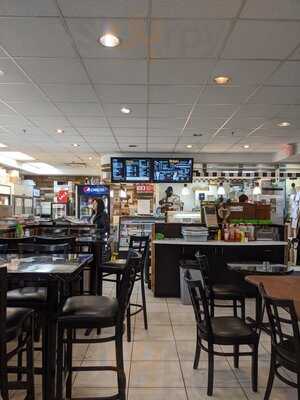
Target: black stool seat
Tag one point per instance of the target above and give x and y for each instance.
(90, 310)
(116, 266)
(226, 290)
(27, 295)
(15, 319)
(232, 328)
(286, 350)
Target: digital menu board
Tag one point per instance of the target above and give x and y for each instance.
(177, 170)
(130, 170)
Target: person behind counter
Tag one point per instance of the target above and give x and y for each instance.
(99, 217)
(224, 211)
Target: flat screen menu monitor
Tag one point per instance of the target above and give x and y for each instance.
(130, 170)
(173, 170)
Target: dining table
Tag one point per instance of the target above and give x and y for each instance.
(56, 272)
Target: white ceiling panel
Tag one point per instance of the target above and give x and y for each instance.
(128, 140)
(245, 72)
(104, 8)
(11, 73)
(28, 8)
(244, 123)
(271, 132)
(88, 122)
(68, 131)
(173, 94)
(125, 122)
(195, 8)
(287, 74)
(194, 140)
(35, 108)
(166, 123)
(132, 34)
(261, 110)
(159, 139)
(214, 110)
(215, 148)
(164, 132)
(35, 37)
(277, 95)
(180, 72)
(51, 122)
(122, 93)
(90, 131)
(134, 132)
(262, 39)
(296, 54)
(289, 112)
(80, 109)
(161, 148)
(53, 70)
(266, 140)
(271, 9)
(5, 110)
(225, 95)
(117, 71)
(69, 93)
(187, 38)
(13, 120)
(20, 92)
(168, 110)
(237, 133)
(114, 110)
(205, 123)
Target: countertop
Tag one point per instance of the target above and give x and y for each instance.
(220, 243)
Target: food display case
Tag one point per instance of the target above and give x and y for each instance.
(139, 226)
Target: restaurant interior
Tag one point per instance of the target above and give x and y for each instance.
(149, 199)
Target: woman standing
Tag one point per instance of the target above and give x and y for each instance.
(99, 217)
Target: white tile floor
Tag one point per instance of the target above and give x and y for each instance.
(159, 362)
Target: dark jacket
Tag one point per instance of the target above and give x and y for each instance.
(101, 221)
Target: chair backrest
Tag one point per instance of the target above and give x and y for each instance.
(199, 302)
(283, 321)
(140, 244)
(3, 248)
(50, 240)
(3, 292)
(36, 248)
(12, 243)
(127, 283)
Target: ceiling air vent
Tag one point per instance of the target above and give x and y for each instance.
(74, 164)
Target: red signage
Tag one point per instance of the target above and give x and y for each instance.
(62, 196)
(145, 188)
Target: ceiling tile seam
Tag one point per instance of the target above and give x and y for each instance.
(148, 27)
(68, 32)
(40, 90)
(221, 49)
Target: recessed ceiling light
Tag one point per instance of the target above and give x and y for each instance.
(132, 145)
(189, 146)
(1, 72)
(284, 124)
(90, 158)
(2, 145)
(75, 145)
(246, 146)
(59, 130)
(222, 80)
(125, 110)
(109, 40)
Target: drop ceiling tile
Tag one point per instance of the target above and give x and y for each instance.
(225, 95)
(161, 148)
(287, 74)
(105, 8)
(271, 9)
(244, 123)
(169, 110)
(173, 94)
(180, 72)
(266, 140)
(35, 37)
(69, 93)
(35, 108)
(53, 70)
(189, 133)
(6, 110)
(28, 8)
(279, 132)
(129, 140)
(215, 148)
(125, 122)
(117, 71)
(120, 132)
(164, 132)
(205, 123)
(101, 139)
(122, 93)
(195, 8)
(277, 95)
(296, 54)
(80, 109)
(166, 123)
(194, 140)
(114, 110)
(90, 131)
(261, 110)
(68, 131)
(187, 38)
(164, 140)
(138, 149)
(237, 133)
(132, 34)
(222, 140)
(289, 112)
(262, 39)
(12, 74)
(14, 120)
(86, 122)
(245, 72)
(50, 122)
(214, 110)
(20, 92)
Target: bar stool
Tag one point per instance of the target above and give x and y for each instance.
(16, 324)
(141, 245)
(95, 312)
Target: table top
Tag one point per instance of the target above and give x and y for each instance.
(178, 241)
(260, 268)
(45, 266)
(280, 287)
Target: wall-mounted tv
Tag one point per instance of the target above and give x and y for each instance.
(130, 170)
(173, 170)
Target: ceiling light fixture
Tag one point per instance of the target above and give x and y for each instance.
(109, 40)
(132, 145)
(2, 145)
(1, 72)
(246, 146)
(90, 158)
(284, 124)
(222, 80)
(17, 155)
(75, 145)
(125, 110)
(59, 130)
(189, 146)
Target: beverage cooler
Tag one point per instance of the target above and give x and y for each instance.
(84, 196)
(37, 209)
(5, 195)
(59, 210)
(23, 205)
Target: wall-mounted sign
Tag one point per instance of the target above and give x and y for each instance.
(144, 188)
(94, 190)
(62, 196)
